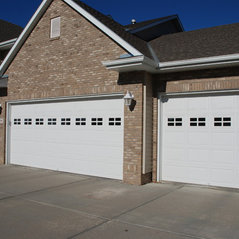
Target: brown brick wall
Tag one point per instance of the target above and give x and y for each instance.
(71, 66)
(204, 80)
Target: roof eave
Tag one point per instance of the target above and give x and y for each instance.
(137, 63)
(200, 63)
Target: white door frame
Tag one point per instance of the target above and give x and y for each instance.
(161, 97)
(47, 100)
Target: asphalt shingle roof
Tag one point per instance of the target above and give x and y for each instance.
(9, 31)
(214, 41)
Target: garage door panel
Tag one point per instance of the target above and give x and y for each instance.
(86, 137)
(225, 157)
(198, 138)
(194, 175)
(223, 139)
(201, 153)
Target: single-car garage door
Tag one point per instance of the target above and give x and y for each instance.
(200, 141)
(84, 136)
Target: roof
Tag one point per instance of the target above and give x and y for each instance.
(136, 42)
(145, 23)
(9, 31)
(208, 42)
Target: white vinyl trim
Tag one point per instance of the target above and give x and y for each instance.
(200, 63)
(159, 144)
(201, 92)
(8, 133)
(67, 98)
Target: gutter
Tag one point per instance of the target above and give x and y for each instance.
(200, 63)
(145, 64)
(136, 63)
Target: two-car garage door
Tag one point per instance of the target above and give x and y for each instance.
(200, 140)
(84, 136)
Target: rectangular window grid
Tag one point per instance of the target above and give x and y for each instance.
(114, 121)
(17, 121)
(52, 121)
(80, 121)
(65, 121)
(27, 121)
(222, 121)
(96, 121)
(197, 121)
(175, 121)
(39, 121)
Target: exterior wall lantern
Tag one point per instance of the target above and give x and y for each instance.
(128, 98)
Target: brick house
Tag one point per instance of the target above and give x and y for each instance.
(69, 72)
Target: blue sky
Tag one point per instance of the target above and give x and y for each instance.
(194, 14)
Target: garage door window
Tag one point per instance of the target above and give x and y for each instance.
(114, 121)
(27, 121)
(80, 121)
(52, 121)
(97, 121)
(39, 122)
(65, 121)
(197, 121)
(222, 121)
(175, 122)
(17, 121)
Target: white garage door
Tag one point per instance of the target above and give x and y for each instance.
(83, 137)
(201, 140)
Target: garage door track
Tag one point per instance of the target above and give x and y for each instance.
(37, 204)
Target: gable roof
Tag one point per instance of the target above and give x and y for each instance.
(132, 44)
(208, 42)
(9, 31)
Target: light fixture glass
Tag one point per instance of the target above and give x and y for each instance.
(128, 98)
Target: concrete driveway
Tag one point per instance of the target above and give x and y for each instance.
(43, 204)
